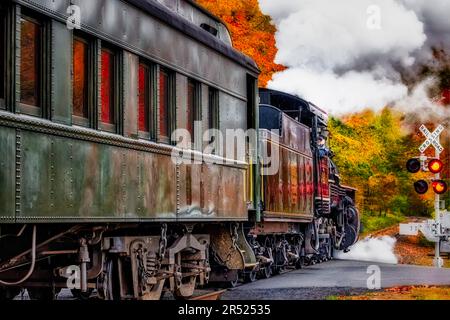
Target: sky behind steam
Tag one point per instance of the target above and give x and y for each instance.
(347, 55)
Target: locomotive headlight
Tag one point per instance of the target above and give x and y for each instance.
(439, 186)
(413, 165)
(435, 166)
(421, 186)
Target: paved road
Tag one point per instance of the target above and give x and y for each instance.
(336, 278)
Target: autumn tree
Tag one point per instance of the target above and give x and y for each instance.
(252, 32)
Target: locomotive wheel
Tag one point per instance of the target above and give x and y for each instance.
(349, 238)
(265, 272)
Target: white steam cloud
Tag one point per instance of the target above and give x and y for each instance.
(347, 55)
(371, 249)
(423, 107)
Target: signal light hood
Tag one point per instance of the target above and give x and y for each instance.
(421, 186)
(413, 165)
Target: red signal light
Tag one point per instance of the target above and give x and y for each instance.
(435, 166)
(440, 186)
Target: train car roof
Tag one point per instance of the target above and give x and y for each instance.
(176, 21)
(278, 110)
(208, 13)
(288, 100)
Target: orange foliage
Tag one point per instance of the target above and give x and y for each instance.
(251, 31)
(405, 293)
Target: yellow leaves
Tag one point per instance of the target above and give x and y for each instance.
(386, 182)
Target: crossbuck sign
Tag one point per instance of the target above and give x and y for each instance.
(432, 139)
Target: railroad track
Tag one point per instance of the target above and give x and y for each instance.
(212, 295)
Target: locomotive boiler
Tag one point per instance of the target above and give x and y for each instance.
(99, 195)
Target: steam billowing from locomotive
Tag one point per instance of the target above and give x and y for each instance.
(362, 53)
(370, 249)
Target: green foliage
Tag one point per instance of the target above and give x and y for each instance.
(373, 222)
(399, 203)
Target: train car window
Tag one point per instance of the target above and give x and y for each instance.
(2, 56)
(193, 107)
(30, 65)
(269, 118)
(145, 116)
(213, 116)
(210, 29)
(251, 102)
(213, 108)
(164, 104)
(80, 81)
(190, 112)
(108, 75)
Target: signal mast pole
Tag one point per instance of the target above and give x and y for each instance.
(437, 209)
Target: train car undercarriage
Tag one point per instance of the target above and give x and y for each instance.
(121, 263)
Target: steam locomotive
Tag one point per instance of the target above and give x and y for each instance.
(97, 191)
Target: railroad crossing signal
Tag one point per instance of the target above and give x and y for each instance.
(427, 164)
(432, 165)
(432, 139)
(439, 186)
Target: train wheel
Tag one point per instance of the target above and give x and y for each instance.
(186, 289)
(277, 270)
(232, 280)
(234, 283)
(265, 272)
(107, 283)
(330, 250)
(42, 294)
(77, 294)
(7, 294)
(300, 263)
(250, 276)
(350, 237)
